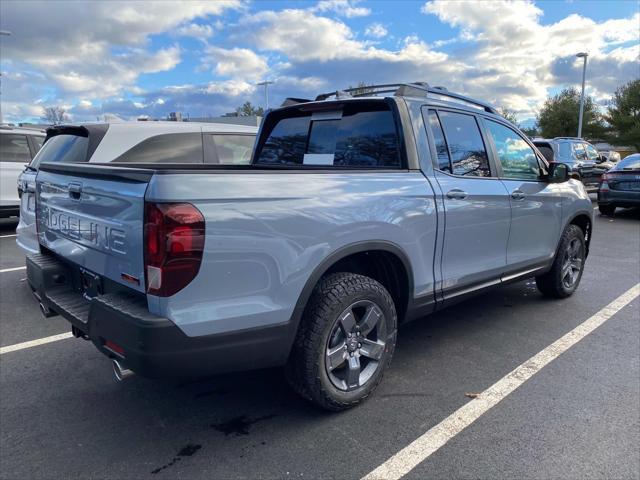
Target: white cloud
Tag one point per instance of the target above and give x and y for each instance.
(344, 8)
(196, 30)
(376, 30)
(240, 63)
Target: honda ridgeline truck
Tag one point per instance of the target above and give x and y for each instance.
(357, 213)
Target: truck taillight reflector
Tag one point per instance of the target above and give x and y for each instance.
(174, 241)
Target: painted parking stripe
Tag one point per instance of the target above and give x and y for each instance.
(34, 343)
(15, 269)
(8, 236)
(423, 447)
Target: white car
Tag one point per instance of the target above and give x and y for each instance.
(131, 143)
(17, 147)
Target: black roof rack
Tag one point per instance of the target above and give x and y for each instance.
(415, 89)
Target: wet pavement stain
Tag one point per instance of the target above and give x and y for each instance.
(239, 425)
(185, 451)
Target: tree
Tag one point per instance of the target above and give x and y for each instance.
(559, 116)
(623, 116)
(248, 110)
(530, 131)
(509, 115)
(55, 115)
(361, 89)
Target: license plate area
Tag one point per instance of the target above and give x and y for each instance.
(91, 284)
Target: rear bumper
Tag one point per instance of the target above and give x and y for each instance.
(153, 346)
(619, 198)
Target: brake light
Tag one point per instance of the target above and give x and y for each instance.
(174, 241)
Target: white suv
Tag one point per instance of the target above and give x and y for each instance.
(131, 143)
(17, 147)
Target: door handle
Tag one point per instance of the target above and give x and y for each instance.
(457, 194)
(518, 195)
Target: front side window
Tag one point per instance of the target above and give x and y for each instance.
(592, 153)
(14, 148)
(579, 152)
(232, 149)
(565, 151)
(167, 148)
(517, 158)
(468, 153)
(356, 136)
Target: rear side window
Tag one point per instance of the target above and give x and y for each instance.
(14, 148)
(444, 160)
(468, 153)
(62, 148)
(230, 149)
(357, 136)
(167, 148)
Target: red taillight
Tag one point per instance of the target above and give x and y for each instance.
(114, 347)
(174, 241)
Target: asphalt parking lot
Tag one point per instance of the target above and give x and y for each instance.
(62, 415)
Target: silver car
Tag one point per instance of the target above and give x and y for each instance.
(359, 211)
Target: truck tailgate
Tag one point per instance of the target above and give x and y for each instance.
(93, 216)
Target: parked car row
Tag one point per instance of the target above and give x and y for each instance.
(583, 160)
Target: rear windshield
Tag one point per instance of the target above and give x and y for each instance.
(62, 148)
(166, 148)
(354, 135)
(632, 162)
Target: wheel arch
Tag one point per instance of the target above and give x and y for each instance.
(583, 220)
(357, 252)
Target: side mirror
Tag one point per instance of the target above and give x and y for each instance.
(558, 172)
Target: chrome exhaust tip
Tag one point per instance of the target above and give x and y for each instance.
(120, 371)
(46, 311)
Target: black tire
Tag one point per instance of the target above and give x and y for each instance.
(607, 210)
(566, 272)
(321, 331)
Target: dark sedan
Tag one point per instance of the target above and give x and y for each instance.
(620, 186)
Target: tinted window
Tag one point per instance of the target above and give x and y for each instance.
(632, 162)
(62, 148)
(231, 149)
(517, 158)
(353, 137)
(37, 142)
(579, 152)
(168, 148)
(565, 150)
(14, 148)
(592, 153)
(444, 161)
(468, 153)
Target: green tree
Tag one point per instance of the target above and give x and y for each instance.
(559, 116)
(509, 114)
(623, 116)
(248, 110)
(530, 131)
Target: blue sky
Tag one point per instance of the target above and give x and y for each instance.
(205, 58)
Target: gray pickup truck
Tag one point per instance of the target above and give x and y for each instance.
(357, 213)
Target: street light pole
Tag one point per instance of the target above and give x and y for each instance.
(583, 55)
(266, 84)
(7, 33)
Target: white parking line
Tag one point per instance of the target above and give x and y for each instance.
(14, 269)
(423, 447)
(8, 236)
(34, 343)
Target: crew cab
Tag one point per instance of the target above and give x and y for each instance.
(358, 212)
